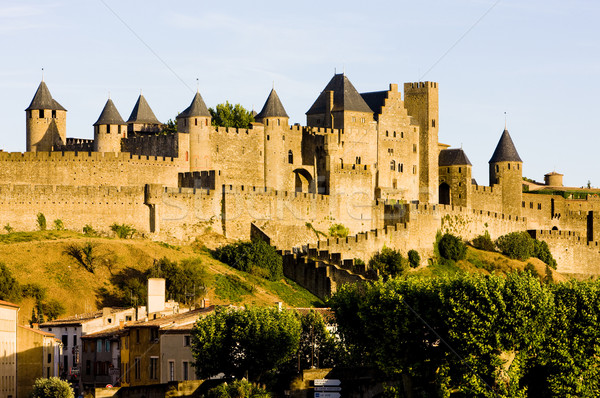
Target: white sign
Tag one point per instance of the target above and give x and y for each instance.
(327, 382)
(323, 389)
(327, 395)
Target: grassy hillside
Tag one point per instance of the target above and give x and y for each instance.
(39, 257)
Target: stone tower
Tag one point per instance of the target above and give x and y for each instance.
(46, 122)
(506, 170)
(455, 178)
(194, 126)
(421, 102)
(109, 129)
(142, 119)
(276, 121)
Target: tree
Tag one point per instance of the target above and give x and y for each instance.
(52, 388)
(229, 115)
(389, 263)
(237, 389)
(256, 257)
(414, 259)
(338, 231)
(10, 289)
(248, 342)
(41, 221)
(170, 127)
(452, 247)
(180, 278)
(517, 245)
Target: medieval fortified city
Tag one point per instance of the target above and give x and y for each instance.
(234, 253)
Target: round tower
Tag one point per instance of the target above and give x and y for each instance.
(506, 171)
(194, 126)
(276, 121)
(109, 129)
(46, 122)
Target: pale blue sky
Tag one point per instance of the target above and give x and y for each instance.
(537, 60)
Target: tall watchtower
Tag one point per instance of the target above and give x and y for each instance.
(109, 129)
(421, 102)
(276, 120)
(194, 126)
(46, 122)
(506, 170)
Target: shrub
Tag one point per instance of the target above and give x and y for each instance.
(41, 221)
(414, 259)
(542, 251)
(517, 245)
(10, 289)
(123, 231)
(34, 290)
(389, 263)
(89, 230)
(58, 225)
(531, 269)
(52, 388)
(237, 389)
(484, 242)
(452, 247)
(255, 257)
(8, 229)
(84, 255)
(338, 231)
(53, 309)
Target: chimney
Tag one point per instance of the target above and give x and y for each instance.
(205, 302)
(121, 324)
(35, 325)
(156, 295)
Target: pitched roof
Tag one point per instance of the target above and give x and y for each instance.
(375, 100)
(182, 318)
(142, 113)
(37, 331)
(7, 304)
(79, 318)
(109, 115)
(273, 107)
(453, 157)
(196, 108)
(43, 100)
(345, 97)
(505, 150)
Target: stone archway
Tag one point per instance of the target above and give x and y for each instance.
(303, 181)
(444, 193)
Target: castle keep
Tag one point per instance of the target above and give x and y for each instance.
(370, 161)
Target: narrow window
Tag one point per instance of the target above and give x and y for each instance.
(41, 113)
(402, 134)
(53, 114)
(401, 167)
(414, 148)
(393, 165)
(509, 166)
(154, 367)
(184, 122)
(195, 121)
(447, 169)
(460, 170)
(290, 157)
(394, 134)
(414, 169)
(206, 122)
(539, 206)
(497, 168)
(74, 340)
(387, 133)
(171, 370)
(187, 340)
(432, 122)
(278, 122)
(186, 370)
(268, 138)
(522, 204)
(267, 122)
(137, 366)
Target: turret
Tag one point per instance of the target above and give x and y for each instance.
(193, 127)
(455, 178)
(276, 122)
(506, 170)
(421, 102)
(46, 122)
(109, 129)
(142, 119)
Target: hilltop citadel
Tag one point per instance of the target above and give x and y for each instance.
(370, 161)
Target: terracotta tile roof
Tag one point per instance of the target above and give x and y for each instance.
(79, 318)
(173, 320)
(38, 331)
(7, 304)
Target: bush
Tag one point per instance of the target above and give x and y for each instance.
(517, 245)
(542, 251)
(237, 389)
(34, 290)
(123, 231)
(484, 242)
(452, 248)
(58, 225)
(389, 263)
(52, 388)
(89, 230)
(53, 309)
(8, 229)
(414, 259)
(41, 221)
(338, 231)
(84, 255)
(255, 257)
(10, 289)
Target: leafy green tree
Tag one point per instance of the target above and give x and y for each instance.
(452, 247)
(53, 309)
(229, 115)
(170, 127)
(389, 263)
(517, 245)
(248, 342)
(182, 278)
(41, 221)
(484, 242)
(123, 231)
(317, 346)
(414, 259)
(256, 257)
(52, 388)
(237, 389)
(338, 231)
(10, 289)
(542, 251)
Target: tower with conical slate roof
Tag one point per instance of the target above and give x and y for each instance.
(506, 171)
(142, 119)
(455, 171)
(46, 122)
(109, 129)
(276, 122)
(194, 126)
(421, 102)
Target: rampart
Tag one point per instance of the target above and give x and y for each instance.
(199, 179)
(572, 252)
(164, 145)
(87, 168)
(78, 144)
(486, 198)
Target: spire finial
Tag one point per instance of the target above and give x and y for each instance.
(504, 120)
(140, 91)
(334, 70)
(108, 94)
(197, 85)
(344, 70)
(42, 73)
(273, 84)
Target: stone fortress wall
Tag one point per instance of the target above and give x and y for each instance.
(383, 174)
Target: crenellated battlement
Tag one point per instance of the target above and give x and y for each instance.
(238, 131)
(74, 156)
(419, 85)
(231, 189)
(352, 168)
